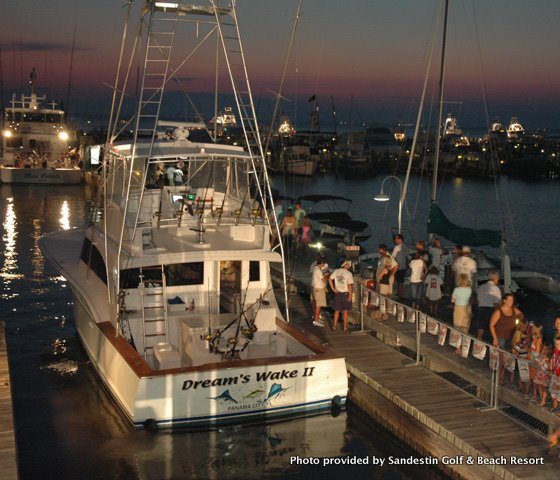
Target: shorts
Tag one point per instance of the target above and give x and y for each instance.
(462, 318)
(416, 289)
(399, 276)
(385, 289)
(341, 302)
(320, 297)
(483, 318)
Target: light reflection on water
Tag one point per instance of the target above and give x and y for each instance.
(37, 256)
(9, 269)
(65, 216)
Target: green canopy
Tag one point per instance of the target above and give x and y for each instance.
(439, 224)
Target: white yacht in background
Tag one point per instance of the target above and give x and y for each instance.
(35, 142)
(515, 130)
(173, 296)
(297, 160)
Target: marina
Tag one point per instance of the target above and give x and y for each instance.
(206, 274)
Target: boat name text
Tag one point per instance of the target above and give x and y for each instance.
(246, 378)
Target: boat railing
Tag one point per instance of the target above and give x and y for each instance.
(499, 379)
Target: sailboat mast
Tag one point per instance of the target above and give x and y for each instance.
(67, 104)
(440, 104)
(283, 78)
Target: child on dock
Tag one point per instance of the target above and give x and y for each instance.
(534, 352)
(306, 233)
(433, 290)
(554, 386)
(520, 343)
(542, 377)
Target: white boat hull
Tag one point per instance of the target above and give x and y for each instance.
(211, 394)
(536, 281)
(305, 168)
(46, 176)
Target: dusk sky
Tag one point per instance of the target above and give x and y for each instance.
(370, 55)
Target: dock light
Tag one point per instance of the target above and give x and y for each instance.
(63, 135)
(383, 197)
(7, 133)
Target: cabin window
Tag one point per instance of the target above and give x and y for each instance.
(53, 118)
(34, 117)
(90, 256)
(184, 274)
(254, 271)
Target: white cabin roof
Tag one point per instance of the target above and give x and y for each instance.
(181, 149)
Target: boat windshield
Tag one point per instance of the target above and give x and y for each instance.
(222, 176)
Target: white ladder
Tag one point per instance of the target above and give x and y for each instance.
(154, 313)
(159, 45)
(230, 37)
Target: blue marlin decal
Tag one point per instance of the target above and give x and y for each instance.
(275, 390)
(225, 396)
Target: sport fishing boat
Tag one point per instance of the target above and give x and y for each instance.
(173, 296)
(35, 142)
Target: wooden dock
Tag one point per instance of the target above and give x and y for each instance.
(434, 416)
(8, 453)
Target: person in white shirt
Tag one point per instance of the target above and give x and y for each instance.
(433, 284)
(318, 294)
(417, 273)
(342, 284)
(465, 265)
(489, 298)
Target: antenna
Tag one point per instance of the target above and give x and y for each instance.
(67, 102)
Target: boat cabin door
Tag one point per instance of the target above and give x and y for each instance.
(230, 286)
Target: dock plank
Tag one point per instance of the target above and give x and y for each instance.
(8, 452)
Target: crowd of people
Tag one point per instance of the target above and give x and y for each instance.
(435, 272)
(295, 228)
(483, 310)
